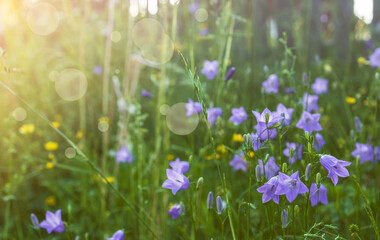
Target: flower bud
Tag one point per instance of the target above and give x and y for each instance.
(230, 73)
(199, 183)
(307, 135)
(309, 147)
(307, 172)
(210, 199)
(296, 210)
(266, 118)
(35, 221)
(219, 205)
(318, 179)
(284, 218)
(258, 173)
(284, 167)
(358, 124)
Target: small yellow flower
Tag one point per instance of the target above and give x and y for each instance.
(79, 134)
(170, 157)
(350, 100)
(362, 61)
(51, 201)
(26, 129)
(56, 124)
(109, 179)
(251, 154)
(170, 206)
(103, 120)
(221, 148)
(177, 47)
(327, 68)
(51, 146)
(212, 157)
(237, 137)
(49, 165)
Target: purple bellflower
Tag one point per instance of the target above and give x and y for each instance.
(286, 111)
(175, 211)
(309, 122)
(210, 69)
(358, 124)
(320, 86)
(271, 168)
(376, 153)
(210, 199)
(179, 166)
(53, 222)
(374, 59)
(310, 102)
(238, 163)
(192, 108)
(118, 235)
(146, 94)
(335, 168)
(238, 115)
(123, 155)
(319, 142)
(193, 7)
(213, 114)
(268, 190)
(256, 143)
(364, 151)
(272, 84)
(264, 121)
(291, 186)
(297, 152)
(219, 205)
(318, 195)
(176, 181)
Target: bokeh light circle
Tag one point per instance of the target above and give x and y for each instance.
(150, 37)
(43, 18)
(70, 152)
(115, 36)
(53, 75)
(19, 114)
(71, 84)
(164, 109)
(178, 122)
(103, 126)
(201, 15)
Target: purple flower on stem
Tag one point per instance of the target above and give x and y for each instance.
(271, 168)
(53, 222)
(238, 115)
(193, 108)
(210, 69)
(272, 84)
(358, 124)
(318, 195)
(118, 235)
(376, 153)
(213, 114)
(287, 150)
(264, 121)
(320, 86)
(291, 186)
(256, 143)
(374, 59)
(310, 102)
(219, 205)
(268, 190)
(309, 122)
(176, 181)
(230, 73)
(175, 211)
(210, 199)
(179, 166)
(286, 111)
(98, 70)
(123, 155)
(146, 94)
(364, 151)
(335, 167)
(238, 163)
(319, 142)
(35, 222)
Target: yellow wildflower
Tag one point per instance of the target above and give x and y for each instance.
(170, 157)
(109, 179)
(221, 148)
(26, 129)
(350, 100)
(362, 61)
(327, 68)
(51, 146)
(79, 134)
(51, 200)
(251, 154)
(56, 124)
(212, 157)
(177, 47)
(103, 120)
(49, 165)
(237, 137)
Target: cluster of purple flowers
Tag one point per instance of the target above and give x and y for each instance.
(176, 180)
(366, 153)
